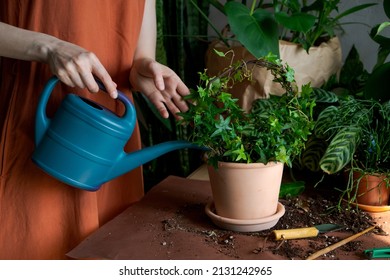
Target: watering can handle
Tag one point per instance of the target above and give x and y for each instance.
(42, 121)
(130, 113)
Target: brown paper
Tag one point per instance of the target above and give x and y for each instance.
(316, 67)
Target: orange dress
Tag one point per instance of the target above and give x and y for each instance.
(40, 217)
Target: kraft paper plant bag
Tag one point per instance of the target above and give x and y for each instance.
(315, 67)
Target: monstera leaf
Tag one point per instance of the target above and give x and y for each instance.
(257, 31)
(300, 22)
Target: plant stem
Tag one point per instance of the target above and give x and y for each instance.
(253, 6)
(277, 70)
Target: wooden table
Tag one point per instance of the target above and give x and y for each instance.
(170, 223)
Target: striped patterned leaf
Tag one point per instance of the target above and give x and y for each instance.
(386, 110)
(262, 105)
(323, 96)
(340, 150)
(362, 117)
(314, 150)
(325, 120)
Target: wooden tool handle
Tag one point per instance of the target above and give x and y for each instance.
(338, 244)
(295, 233)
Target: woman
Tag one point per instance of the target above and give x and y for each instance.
(41, 218)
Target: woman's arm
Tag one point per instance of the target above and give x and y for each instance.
(72, 64)
(23, 44)
(158, 82)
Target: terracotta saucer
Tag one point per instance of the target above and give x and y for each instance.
(372, 208)
(244, 225)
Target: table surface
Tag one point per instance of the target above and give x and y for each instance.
(170, 223)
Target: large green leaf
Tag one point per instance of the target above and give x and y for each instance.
(375, 34)
(258, 31)
(354, 9)
(383, 41)
(377, 84)
(386, 7)
(353, 74)
(326, 120)
(314, 150)
(340, 150)
(300, 22)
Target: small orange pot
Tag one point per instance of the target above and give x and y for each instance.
(372, 189)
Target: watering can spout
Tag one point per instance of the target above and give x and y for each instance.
(135, 159)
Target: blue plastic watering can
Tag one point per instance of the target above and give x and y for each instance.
(83, 144)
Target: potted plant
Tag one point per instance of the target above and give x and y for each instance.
(264, 138)
(301, 33)
(357, 132)
(261, 25)
(355, 128)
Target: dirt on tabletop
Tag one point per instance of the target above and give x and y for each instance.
(313, 207)
(171, 223)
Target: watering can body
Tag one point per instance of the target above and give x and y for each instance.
(83, 144)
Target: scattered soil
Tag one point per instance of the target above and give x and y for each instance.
(308, 209)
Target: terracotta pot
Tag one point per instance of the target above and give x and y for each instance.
(246, 191)
(372, 189)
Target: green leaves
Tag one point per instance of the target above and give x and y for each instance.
(386, 7)
(384, 42)
(257, 31)
(222, 126)
(376, 34)
(341, 149)
(352, 131)
(326, 121)
(275, 130)
(323, 96)
(377, 84)
(286, 122)
(300, 22)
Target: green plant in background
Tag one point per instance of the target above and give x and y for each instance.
(382, 41)
(353, 129)
(359, 124)
(358, 133)
(274, 130)
(357, 130)
(348, 125)
(311, 22)
(260, 25)
(376, 86)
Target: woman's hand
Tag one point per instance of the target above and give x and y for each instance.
(73, 65)
(76, 67)
(161, 85)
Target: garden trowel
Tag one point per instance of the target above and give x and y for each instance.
(296, 233)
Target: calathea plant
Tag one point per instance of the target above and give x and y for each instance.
(351, 135)
(353, 127)
(275, 129)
